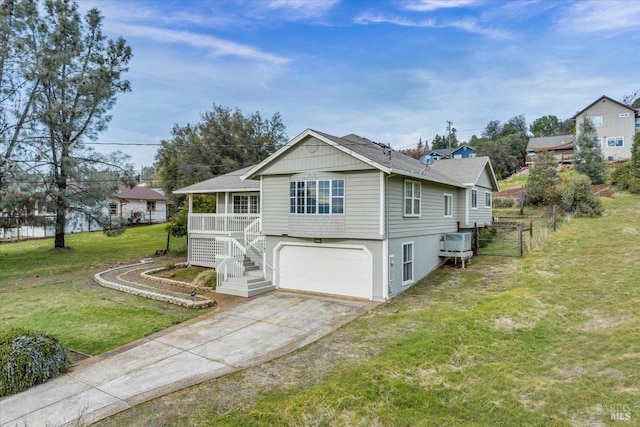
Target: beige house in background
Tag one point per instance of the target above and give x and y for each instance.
(615, 123)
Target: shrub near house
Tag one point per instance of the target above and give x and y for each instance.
(28, 358)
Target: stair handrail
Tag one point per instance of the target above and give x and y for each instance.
(253, 235)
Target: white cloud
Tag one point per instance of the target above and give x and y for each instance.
(367, 18)
(431, 5)
(591, 16)
(297, 9)
(217, 46)
(471, 25)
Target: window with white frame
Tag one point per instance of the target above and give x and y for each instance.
(407, 263)
(243, 204)
(448, 205)
(151, 206)
(113, 209)
(316, 197)
(487, 199)
(412, 194)
(596, 120)
(617, 141)
(474, 198)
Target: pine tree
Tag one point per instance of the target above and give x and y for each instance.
(588, 159)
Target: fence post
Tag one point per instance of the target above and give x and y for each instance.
(555, 227)
(531, 229)
(520, 241)
(476, 239)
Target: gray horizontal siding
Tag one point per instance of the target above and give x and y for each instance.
(431, 219)
(313, 155)
(361, 218)
(425, 259)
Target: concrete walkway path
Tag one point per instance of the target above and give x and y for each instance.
(253, 332)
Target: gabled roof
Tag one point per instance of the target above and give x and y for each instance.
(387, 160)
(543, 143)
(449, 151)
(139, 193)
(377, 155)
(608, 99)
(466, 171)
(230, 182)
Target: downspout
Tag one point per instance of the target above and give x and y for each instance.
(189, 229)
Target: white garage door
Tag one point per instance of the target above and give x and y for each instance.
(329, 270)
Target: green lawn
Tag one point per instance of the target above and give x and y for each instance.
(547, 340)
(53, 291)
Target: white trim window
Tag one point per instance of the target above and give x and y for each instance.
(596, 121)
(407, 263)
(615, 142)
(113, 209)
(322, 197)
(487, 199)
(151, 205)
(448, 205)
(412, 194)
(474, 198)
(244, 204)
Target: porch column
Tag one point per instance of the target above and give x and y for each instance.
(190, 212)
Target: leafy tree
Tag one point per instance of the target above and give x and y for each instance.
(202, 203)
(588, 158)
(551, 126)
(225, 140)
(627, 175)
(445, 141)
(578, 199)
(542, 177)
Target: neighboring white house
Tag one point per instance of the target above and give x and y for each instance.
(616, 125)
(343, 216)
(139, 205)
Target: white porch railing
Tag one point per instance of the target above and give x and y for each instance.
(253, 236)
(233, 263)
(209, 222)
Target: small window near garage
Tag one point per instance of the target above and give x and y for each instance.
(448, 205)
(412, 194)
(615, 142)
(113, 209)
(474, 199)
(151, 206)
(407, 263)
(487, 199)
(596, 120)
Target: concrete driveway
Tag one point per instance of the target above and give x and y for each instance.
(253, 332)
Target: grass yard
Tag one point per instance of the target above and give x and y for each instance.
(49, 290)
(547, 340)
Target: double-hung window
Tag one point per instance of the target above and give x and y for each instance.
(412, 194)
(596, 121)
(487, 199)
(316, 197)
(407, 263)
(474, 198)
(448, 205)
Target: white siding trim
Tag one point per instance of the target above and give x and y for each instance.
(385, 270)
(382, 197)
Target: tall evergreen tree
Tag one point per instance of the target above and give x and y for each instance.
(588, 158)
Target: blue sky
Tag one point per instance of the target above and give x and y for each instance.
(392, 71)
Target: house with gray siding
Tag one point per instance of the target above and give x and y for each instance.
(338, 215)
